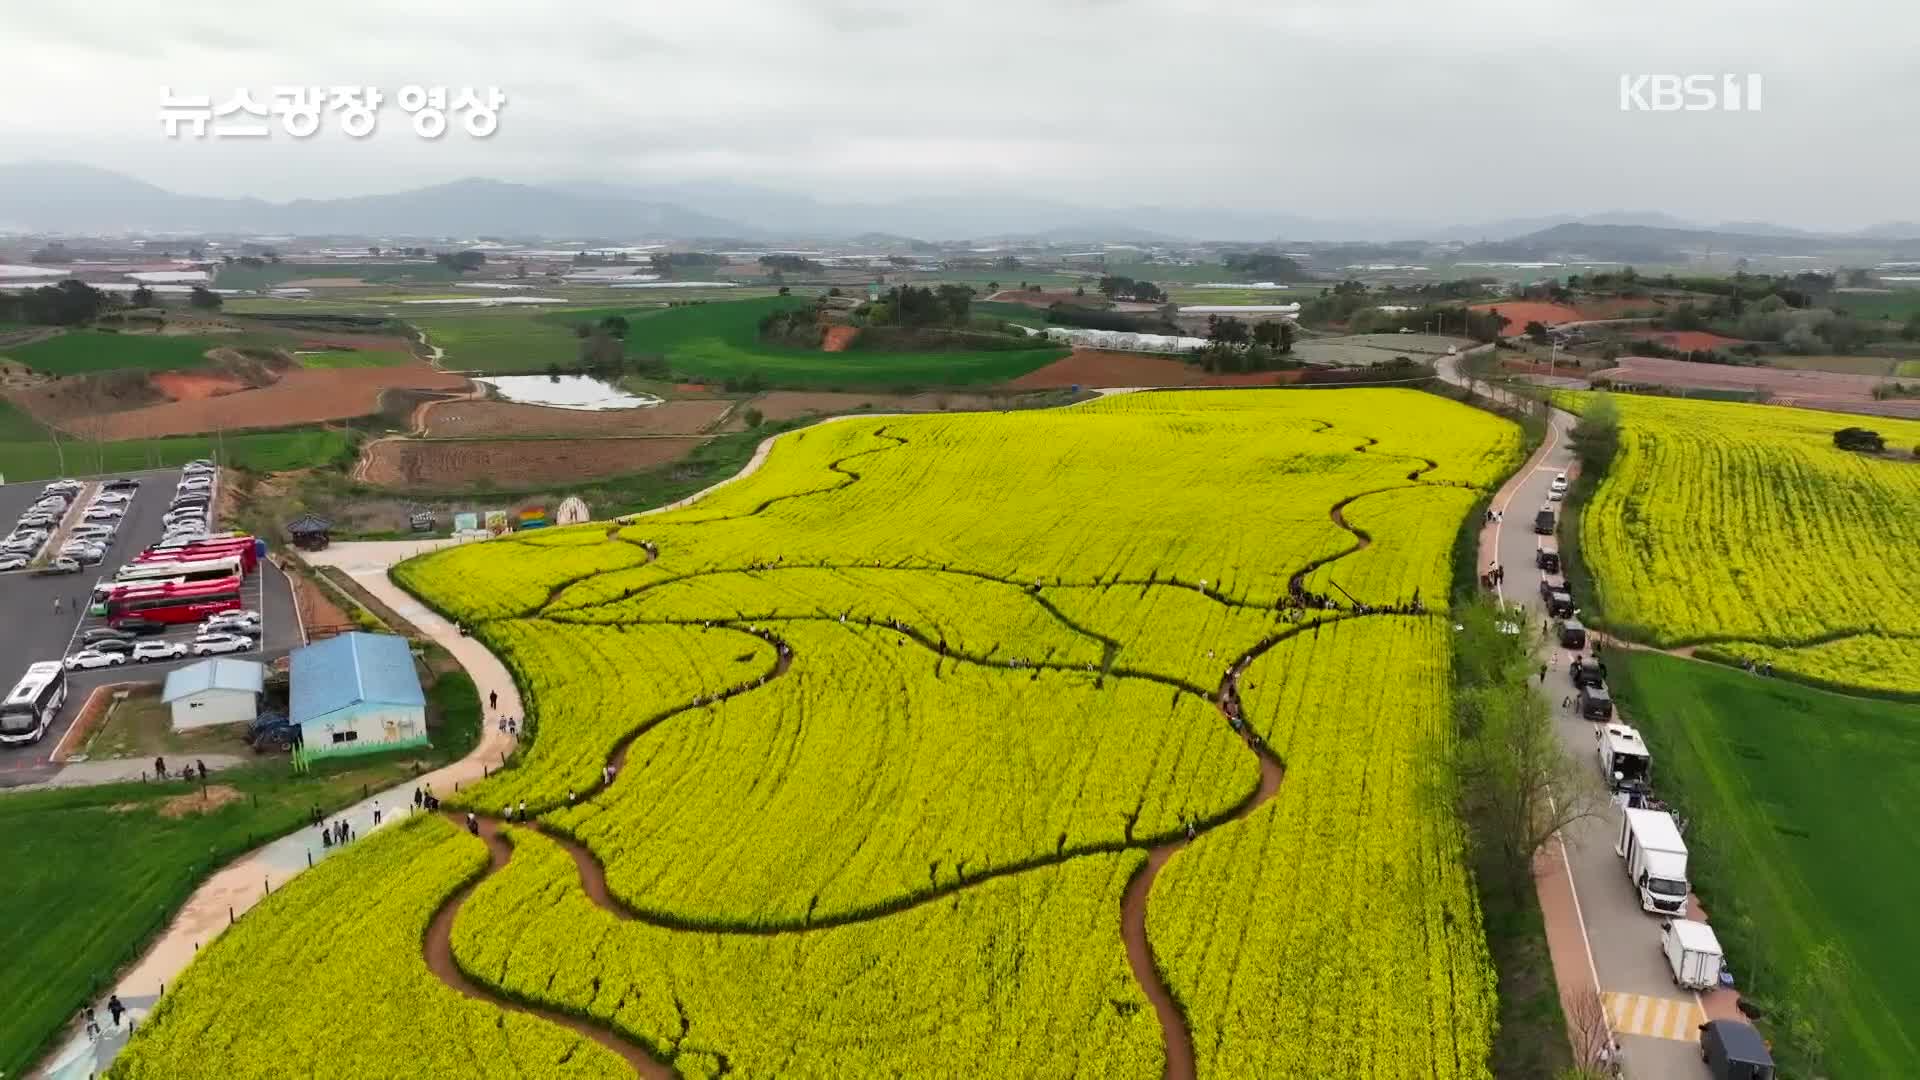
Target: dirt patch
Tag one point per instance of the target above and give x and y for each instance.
(205, 801)
(509, 464)
(1099, 368)
(1831, 390)
(319, 614)
(837, 338)
(1519, 313)
(473, 418)
(82, 399)
(187, 386)
(1695, 340)
(299, 396)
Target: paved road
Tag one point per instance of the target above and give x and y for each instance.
(1655, 1021)
(34, 631)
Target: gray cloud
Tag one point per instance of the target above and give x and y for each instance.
(1390, 108)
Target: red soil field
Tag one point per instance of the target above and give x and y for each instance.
(511, 464)
(475, 418)
(300, 396)
(1519, 313)
(1099, 368)
(186, 386)
(837, 338)
(1692, 340)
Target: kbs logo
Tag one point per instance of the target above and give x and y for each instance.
(1689, 93)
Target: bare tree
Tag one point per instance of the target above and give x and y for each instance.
(1594, 1049)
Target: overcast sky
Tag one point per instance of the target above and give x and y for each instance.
(1442, 110)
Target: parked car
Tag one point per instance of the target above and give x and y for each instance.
(1734, 1051)
(199, 463)
(103, 530)
(103, 633)
(148, 651)
(65, 564)
(12, 562)
(211, 644)
(135, 625)
(39, 521)
(112, 497)
(271, 730)
(105, 513)
(85, 554)
(112, 645)
(64, 484)
(189, 502)
(123, 483)
(88, 659)
(247, 621)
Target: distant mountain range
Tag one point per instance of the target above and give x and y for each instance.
(65, 197)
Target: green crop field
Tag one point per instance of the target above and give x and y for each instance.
(1802, 806)
(1857, 364)
(1899, 305)
(270, 451)
(80, 352)
(1908, 369)
(352, 358)
(715, 342)
(500, 341)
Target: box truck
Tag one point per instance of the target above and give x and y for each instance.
(1693, 953)
(1656, 861)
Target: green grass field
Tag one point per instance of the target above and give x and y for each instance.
(79, 352)
(501, 340)
(1188, 295)
(1908, 369)
(1802, 804)
(1899, 305)
(93, 873)
(29, 455)
(351, 358)
(714, 342)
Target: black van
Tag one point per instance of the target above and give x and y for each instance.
(1560, 605)
(1547, 560)
(1543, 522)
(1734, 1051)
(1573, 635)
(1587, 672)
(1594, 703)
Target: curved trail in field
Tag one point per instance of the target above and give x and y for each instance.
(1176, 1034)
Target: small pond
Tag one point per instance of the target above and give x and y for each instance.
(582, 392)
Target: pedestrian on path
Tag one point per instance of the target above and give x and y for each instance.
(523, 809)
(473, 824)
(376, 813)
(493, 699)
(1543, 674)
(160, 767)
(202, 766)
(93, 1023)
(56, 609)
(115, 1009)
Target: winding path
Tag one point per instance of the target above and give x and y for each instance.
(1176, 1035)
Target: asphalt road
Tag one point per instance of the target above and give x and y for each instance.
(33, 630)
(1624, 940)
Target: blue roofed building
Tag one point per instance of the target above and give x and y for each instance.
(357, 693)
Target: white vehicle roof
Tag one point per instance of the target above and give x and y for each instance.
(1695, 936)
(1656, 830)
(1621, 739)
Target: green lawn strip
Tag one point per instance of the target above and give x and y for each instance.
(94, 873)
(351, 358)
(266, 451)
(1801, 804)
(79, 352)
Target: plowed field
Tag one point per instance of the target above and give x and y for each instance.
(298, 397)
(1097, 368)
(447, 465)
(476, 418)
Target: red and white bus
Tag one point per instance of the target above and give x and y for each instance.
(184, 572)
(243, 548)
(184, 602)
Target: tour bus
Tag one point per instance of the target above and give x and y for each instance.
(189, 602)
(244, 548)
(190, 569)
(31, 706)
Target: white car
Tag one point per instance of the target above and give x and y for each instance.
(210, 644)
(111, 497)
(242, 621)
(146, 651)
(87, 659)
(13, 562)
(104, 513)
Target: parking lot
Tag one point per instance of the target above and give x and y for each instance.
(46, 614)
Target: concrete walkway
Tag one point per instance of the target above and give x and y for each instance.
(121, 770)
(232, 891)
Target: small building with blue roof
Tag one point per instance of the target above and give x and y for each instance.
(355, 694)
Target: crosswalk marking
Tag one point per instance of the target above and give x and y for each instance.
(1659, 1018)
